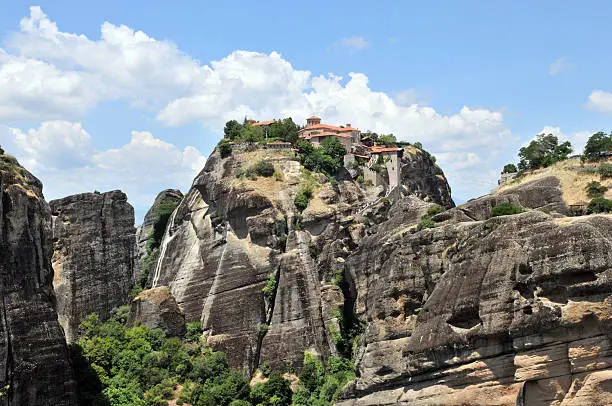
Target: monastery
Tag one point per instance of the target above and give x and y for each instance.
(376, 157)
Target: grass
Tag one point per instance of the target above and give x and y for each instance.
(573, 177)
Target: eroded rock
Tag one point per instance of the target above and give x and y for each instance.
(34, 361)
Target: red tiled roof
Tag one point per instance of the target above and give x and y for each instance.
(264, 123)
(376, 149)
(322, 127)
(345, 129)
(329, 134)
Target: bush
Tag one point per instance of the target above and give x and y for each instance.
(302, 198)
(1, 151)
(426, 222)
(600, 205)
(595, 189)
(263, 168)
(194, 331)
(605, 171)
(270, 289)
(433, 210)
(505, 209)
(225, 148)
(278, 176)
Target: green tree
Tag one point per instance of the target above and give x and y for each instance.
(600, 205)
(284, 130)
(252, 134)
(225, 148)
(509, 168)
(232, 130)
(597, 143)
(543, 151)
(333, 147)
(276, 391)
(388, 140)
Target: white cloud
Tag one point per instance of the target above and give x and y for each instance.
(56, 145)
(560, 65)
(140, 168)
(58, 75)
(354, 43)
(600, 101)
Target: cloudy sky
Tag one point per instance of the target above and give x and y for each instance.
(134, 97)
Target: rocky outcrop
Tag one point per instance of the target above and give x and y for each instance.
(512, 310)
(35, 367)
(262, 278)
(422, 177)
(157, 308)
(93, 258)
(146, 228)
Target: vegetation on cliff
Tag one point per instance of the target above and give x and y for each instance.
(120, 365)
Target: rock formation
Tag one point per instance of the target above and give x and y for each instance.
(260, 276)
(157, 308)
(35, 368)
(511, 310)
(93, 256)
(146, 228)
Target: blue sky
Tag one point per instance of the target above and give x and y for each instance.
(133, 95)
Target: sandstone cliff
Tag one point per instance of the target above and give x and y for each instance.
(35, 368)
(265, 280)
(511, 310)
(93, 256)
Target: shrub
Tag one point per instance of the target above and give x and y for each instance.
(505, 209)
(270, 289)
(263, 168)
(303, 197)
(194, 331)
(605, 171)
(600, 205)
(426, 222)
(595, 189)
(278, 176)
(225, 148)
(433, 210)
(1, 151)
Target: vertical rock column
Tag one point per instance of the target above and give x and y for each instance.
(93, 256)
(34, 363)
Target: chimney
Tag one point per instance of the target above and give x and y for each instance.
(348, 125)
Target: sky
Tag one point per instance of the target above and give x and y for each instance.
(134, 95)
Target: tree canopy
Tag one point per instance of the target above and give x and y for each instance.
(543, 151)
(509, 168)
(597, 143)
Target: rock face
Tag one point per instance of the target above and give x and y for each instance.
(512, 310)
(145, 229)
(157, 308)
(34, 358)
(93, 256)
(260, 276)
